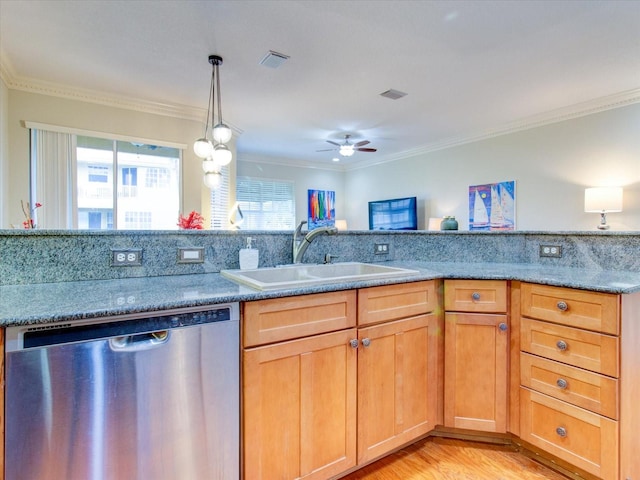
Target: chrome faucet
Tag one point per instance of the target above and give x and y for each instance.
(300, 245)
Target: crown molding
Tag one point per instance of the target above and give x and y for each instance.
(40, 87)
(284, 162)
(570, 112)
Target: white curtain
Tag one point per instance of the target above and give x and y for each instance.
(53, 179)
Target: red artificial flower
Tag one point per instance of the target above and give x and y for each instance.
(192, 222)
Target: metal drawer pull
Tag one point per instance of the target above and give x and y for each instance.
(562, 383)
(475, 296)
(561, 431)
(366, 342)
(353, 343)
(562, 306)
(562, 345)
(502, 327)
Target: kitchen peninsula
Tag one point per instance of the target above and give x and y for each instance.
(603, 305)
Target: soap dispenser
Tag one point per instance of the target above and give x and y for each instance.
(248, 256)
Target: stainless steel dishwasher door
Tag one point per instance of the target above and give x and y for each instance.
(158, 403)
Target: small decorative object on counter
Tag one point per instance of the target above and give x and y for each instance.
(191, 222)
(29, 223)
(249, 257)
(449, 223)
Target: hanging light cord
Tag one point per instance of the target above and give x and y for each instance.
(218, 87)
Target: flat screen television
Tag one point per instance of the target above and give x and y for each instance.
(394, 214)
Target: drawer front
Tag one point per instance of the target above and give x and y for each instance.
(487, 296)
(580, 348)
(585, 439)
(582, 388)
(392, 302)
(278, 319)
(574, 308)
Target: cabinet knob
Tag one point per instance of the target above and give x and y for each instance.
(353, 343)
(366, 342)
(561, 431)
(503, 327)
(562, 345)
(475, 296)
(562, 383)
(562, 306)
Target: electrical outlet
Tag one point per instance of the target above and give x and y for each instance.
(126, 257)
(551, 251)
(381, 248)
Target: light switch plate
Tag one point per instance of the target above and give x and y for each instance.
(190, 255)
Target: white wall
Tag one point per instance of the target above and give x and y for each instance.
(551, 165)
(25, 106)
(303, 178)
(4, 154)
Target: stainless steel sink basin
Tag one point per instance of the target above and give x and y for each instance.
(300, 275)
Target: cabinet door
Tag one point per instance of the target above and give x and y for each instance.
(475, 379)
(397, 384)
(300, 408)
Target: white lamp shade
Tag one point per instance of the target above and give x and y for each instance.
(603, 199)
(434, 223)
(212, 179)
(341, 224)
(222, 155)
(203, 148)
(222, 133)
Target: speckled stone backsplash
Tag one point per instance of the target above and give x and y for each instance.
(43, 256)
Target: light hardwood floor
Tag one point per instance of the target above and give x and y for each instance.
(448, 459)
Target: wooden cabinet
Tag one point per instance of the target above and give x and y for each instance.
(580, 376)
(397, 383)
(299, 396)
(299, 408)
(321, 396)
(476, 355)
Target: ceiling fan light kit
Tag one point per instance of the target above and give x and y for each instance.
(347, 148)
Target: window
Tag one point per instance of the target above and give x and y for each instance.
(220, 202)
(150, 204)
(266, 204)
(90, 181)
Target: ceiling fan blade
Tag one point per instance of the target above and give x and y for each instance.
(366, 149)
(361, 143)
(327, 150)
(333, 143)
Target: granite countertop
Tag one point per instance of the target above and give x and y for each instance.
(64, 301)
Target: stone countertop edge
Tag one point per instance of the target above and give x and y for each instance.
(93, 299)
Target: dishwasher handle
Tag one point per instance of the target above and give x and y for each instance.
(141, 341)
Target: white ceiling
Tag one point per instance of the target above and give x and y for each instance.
(470, 68)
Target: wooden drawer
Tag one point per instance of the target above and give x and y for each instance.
(581, 348)
(278, 319)
(582, 388)
(585, 439)
(575, 308)
(486, 296)
(392, 302)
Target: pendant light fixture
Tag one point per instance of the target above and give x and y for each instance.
(214, 152)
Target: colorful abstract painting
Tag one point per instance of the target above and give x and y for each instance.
(492, 206)
(322, 209)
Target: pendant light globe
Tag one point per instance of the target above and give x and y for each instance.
(212, 180)
(222, 133)
(203, 148)
(222, 155)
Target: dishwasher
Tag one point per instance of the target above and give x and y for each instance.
(132, 397)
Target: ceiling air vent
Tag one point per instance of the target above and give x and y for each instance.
(393, 94)
(274, 59)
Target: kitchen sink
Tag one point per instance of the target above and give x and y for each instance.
(301, 275)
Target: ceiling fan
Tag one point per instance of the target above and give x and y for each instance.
(347, 148)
